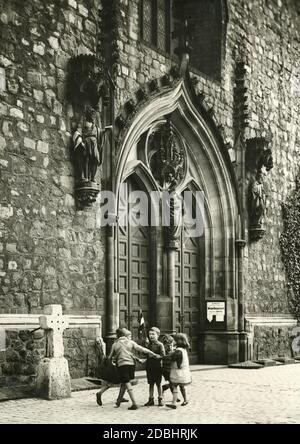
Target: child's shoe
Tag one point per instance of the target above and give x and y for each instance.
(185, 403)
(149, 403)
(133, 407)
(172, 406)
(161, 401)
(98, 397)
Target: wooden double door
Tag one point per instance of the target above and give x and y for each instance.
(137, 250)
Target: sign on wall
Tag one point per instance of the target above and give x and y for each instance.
(215, 314)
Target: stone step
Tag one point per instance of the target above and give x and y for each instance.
(285, 360)
(268, 362)
(246, 365)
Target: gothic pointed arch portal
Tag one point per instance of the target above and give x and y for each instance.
(179, 283)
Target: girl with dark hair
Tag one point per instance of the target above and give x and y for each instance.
(180, 374)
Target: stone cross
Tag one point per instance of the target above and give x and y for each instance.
(54, 321)
(53, 377)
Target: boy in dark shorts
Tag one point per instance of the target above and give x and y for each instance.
(124, 350)
(154, 366)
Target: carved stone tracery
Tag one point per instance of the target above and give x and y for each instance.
(168, 167)
(168, 161)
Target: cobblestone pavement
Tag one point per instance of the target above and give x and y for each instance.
(220, 395)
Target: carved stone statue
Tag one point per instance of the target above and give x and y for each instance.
(257, 199)
(173, 229)
(88, 143)
(259, 161)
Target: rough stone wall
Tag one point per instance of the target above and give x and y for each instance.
(273, 37)
(267, 33)
(272, 342)
(49, 252)
(25, 349)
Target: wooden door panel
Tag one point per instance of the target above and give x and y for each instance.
(134, 274)
(187, 292)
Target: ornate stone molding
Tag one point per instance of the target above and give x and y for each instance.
(168, 160)
(168, 168)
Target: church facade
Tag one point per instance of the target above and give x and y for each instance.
(107, 106)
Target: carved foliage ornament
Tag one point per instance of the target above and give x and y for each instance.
(167, 164)
(259, 161)
(168, 160)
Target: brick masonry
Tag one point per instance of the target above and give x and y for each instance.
(49, 251)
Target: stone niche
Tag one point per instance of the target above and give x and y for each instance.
(86, 89)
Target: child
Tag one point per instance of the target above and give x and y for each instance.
(169, 345)
(123, 350)
(110, 381)
(180, 374)
(154, 366)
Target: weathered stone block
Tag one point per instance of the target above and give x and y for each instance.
(15, 112)
(53, 379)
(43, 147)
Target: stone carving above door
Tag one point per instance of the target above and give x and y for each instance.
(167, 160)
(166, 156)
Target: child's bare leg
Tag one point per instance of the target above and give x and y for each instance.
(121, 394)
(131, 395)
(151, 396)
(160, 394)
(151, 391)
(159, 390)
(183, 392)
(175, 393)
(99, 394)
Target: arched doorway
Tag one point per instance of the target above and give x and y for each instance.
(179, 297)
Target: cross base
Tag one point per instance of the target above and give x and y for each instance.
(53, 379)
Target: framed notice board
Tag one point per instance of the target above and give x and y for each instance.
(216, 315)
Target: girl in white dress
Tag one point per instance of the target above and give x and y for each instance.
(180, 374)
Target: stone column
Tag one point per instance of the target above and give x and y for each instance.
(240, 245)
(112, 297)
(171, 252)
(112, 311)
